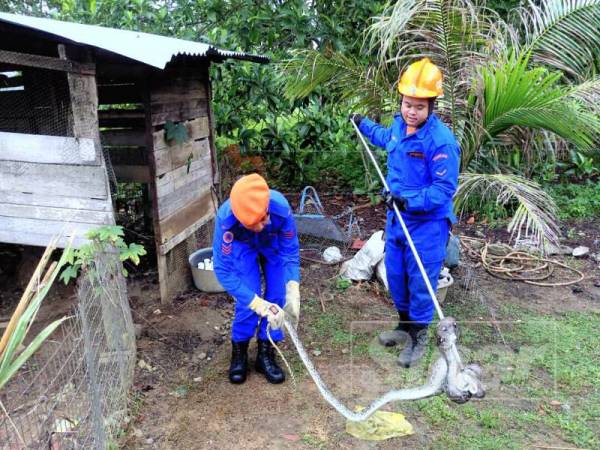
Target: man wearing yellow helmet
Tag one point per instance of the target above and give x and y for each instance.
(423, 166)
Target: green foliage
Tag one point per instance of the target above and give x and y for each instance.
(580, 166)
(342, 284)
(101, 239)
(516, 95)
(176, 133)
(503, 7)
(576, 201)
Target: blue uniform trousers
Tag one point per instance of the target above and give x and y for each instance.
(245, 321)
(406, 283)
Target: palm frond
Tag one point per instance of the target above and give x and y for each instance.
(535, 211)
(563, 34)
(588, 94)
(388, 31)
(347, 79)
(457, 35)
(516, 95)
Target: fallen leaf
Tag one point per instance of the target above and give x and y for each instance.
(291, 437)
(357, 244)
(555, 403)
(471, 220)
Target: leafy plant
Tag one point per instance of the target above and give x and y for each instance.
(580, 166)
(342, 284)
(101, 239)
(11, 358)
(576, 201)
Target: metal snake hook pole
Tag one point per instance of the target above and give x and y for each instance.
(402, 224)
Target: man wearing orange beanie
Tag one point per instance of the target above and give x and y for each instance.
(254, 231)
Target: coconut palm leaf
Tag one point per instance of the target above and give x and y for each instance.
(563, 34)
(535, 211)
(362, 86)
(588, 94)
(516, 95)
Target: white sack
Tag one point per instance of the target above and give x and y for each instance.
(361, 267)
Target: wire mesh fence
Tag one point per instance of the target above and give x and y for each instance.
(73, 393)
(35, 101)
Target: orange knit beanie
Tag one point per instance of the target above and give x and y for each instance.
(249, 199)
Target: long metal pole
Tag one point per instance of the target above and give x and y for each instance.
(402, 224)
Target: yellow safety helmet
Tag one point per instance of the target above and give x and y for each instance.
(422, 79)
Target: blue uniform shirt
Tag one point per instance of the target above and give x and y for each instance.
(422, 167)
(235, 248)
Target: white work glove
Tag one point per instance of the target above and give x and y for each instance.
(292, 302)
(271, 311)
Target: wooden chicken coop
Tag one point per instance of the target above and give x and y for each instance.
(84, 107)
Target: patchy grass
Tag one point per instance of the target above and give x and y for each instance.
(542, 373)
(550, 383)
(314, 442)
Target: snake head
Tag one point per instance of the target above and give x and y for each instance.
(447, 332)
(465, 385)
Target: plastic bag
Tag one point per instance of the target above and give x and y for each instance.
(381, 425)
(362, 265)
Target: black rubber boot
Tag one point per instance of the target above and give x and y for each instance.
(415, 346)
(418, 333)
(266, 364)
(399, 334)
(238, 369)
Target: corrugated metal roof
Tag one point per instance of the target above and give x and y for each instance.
(147, 48)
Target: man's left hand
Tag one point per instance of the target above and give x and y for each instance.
(292, 302)
(390, 200)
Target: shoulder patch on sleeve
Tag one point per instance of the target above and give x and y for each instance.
(278, 205)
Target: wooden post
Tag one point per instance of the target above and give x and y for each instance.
(84, 106)
(161, 260)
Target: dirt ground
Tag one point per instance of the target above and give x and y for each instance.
(183, 399)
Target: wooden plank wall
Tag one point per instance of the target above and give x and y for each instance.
(50, 182)
(182, 174)
(123, 127)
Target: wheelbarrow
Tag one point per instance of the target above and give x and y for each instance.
(317, 224)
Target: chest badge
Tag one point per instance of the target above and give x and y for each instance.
(228, 237)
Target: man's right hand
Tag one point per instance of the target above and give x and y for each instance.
(271, 311)
(356, 118)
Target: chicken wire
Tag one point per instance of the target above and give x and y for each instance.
(73, 393)
(38, 101)
(35, 101)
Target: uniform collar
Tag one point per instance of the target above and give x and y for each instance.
(420, 133)
(229, 221)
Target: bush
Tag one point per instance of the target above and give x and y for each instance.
(576, 201)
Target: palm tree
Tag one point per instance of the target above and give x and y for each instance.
(527, 84)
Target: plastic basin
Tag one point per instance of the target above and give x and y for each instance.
(442, 288)
(204, 280)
